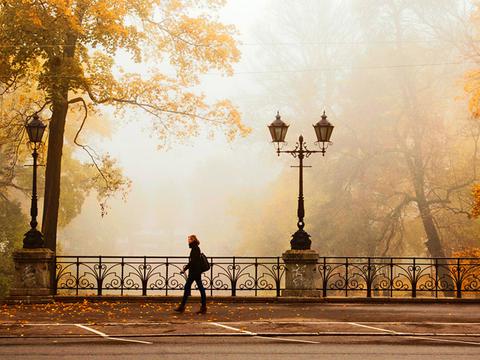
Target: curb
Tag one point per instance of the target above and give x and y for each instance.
(277, 300)
(242, 299)
(249, 334)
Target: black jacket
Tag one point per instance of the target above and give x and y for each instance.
(194, 265)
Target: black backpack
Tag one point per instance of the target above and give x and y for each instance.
(204, 264)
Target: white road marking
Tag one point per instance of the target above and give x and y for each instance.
(91, 330)
(363, 322)
(105, 336)
(130, 340)
(249, 322)
(231, 328)
(274, 338)
(415, 337)
(410, 335)
(444, 340)
(261, 337)
(373, 328)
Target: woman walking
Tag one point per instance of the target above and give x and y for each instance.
(194, 268)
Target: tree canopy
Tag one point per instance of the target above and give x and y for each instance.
(69, 51)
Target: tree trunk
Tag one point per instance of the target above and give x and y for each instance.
(59, 96)
(443, 274)
(53, 172)
(433, 243)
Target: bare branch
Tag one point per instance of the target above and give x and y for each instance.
(87, 148)
(151, 107)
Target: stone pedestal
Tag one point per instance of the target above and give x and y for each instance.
(300, 273)
(32, 278)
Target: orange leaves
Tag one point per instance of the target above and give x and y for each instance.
(75, 49)
(476, 201)
(226, 112)
(198, 44)
(141, 28)
(472, 87)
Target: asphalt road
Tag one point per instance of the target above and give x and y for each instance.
(241, 331)
(235, 348)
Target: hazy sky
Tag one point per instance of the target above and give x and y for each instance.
(189, 188)
(239, 197)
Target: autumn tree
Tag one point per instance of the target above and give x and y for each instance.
(397, 179)
(472, 88)
(424, 140)
(69, 49)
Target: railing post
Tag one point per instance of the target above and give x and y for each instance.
(77, 279)
(278, 281)
(369, 282)
(414, 280)
(166, 276)
(122, 276)
(256, 276)
(234, 281)
(211, 276)
(459, 280)
(144, 279)
(436, 278)
(54, 275)
(99, 280)
(346, 277)
(391, 277)
(324, 278)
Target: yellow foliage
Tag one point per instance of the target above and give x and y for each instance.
(476, 201)
(65, 52)
(467, 253)
(72, 44)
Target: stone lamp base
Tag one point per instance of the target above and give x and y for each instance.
(301, 268)
(32, 279)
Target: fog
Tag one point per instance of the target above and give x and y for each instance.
(390, 76)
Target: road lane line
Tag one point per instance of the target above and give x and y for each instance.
(261, 337)
(415, 336)
(105, 336)
(373, 328)
(285, 339)
(91, 330)
(231, 328)
(444, 340)
(130, 340)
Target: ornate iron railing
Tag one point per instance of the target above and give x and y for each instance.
(265, 276)
(156, 275)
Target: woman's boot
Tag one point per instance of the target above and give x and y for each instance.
(180, 308)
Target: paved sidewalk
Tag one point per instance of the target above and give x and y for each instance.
(101, 312)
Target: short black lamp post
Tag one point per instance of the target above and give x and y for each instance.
(35, 128)
(278, 131)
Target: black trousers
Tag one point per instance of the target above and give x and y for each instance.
(188, 288)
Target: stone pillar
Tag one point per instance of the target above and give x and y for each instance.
(32, 278)
(300, 273)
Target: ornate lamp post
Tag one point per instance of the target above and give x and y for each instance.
(35, 128)
(278, 131)
(34, 264)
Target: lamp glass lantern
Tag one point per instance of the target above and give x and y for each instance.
(323, 129)
(278, 129)
(35, 129)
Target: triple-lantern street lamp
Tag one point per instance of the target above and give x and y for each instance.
(35, 128)
(278, 131)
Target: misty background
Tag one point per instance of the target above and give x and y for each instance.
(390, 76)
